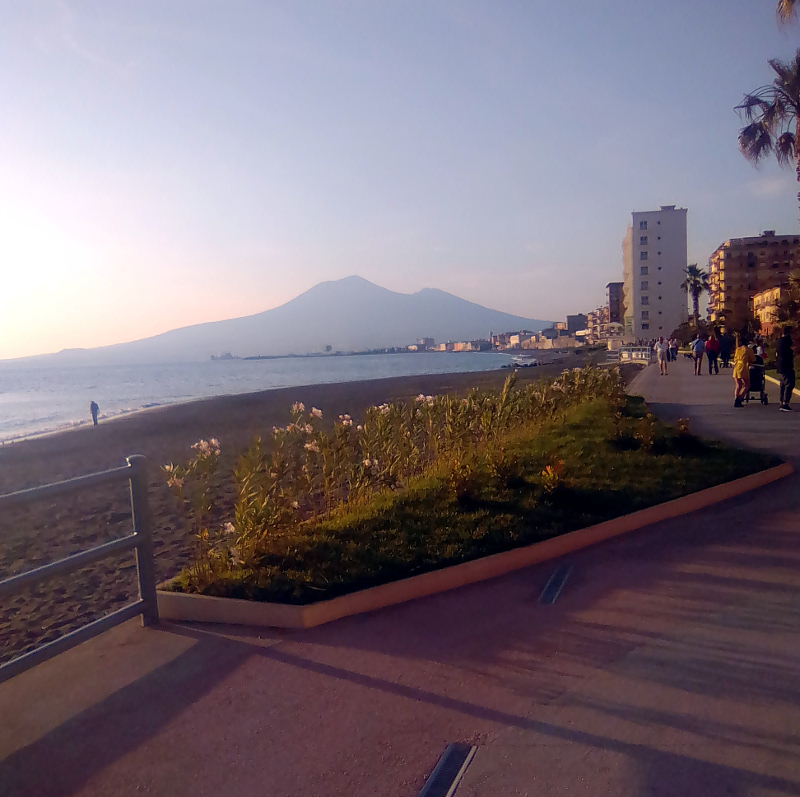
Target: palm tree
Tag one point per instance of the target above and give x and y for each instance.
(772, 114)
(695, 284)
(786, 10)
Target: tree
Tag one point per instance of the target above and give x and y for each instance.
(695, 284)
(772, 114)
(788, 310)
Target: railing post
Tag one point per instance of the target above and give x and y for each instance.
(143, 529)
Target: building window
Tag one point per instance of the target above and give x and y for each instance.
(645, 326)
(645, 315)
(645, 286)
(643, 271)
(645, 300)
(642, 225)
(642, 240)
(642, 255)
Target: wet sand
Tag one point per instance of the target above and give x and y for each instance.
(51, 529)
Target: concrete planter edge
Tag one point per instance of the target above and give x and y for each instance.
(208, 609)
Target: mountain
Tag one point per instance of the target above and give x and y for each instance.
(349, 314)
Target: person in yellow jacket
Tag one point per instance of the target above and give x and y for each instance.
(743, 358)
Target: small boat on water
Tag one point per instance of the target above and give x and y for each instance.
(520, 361)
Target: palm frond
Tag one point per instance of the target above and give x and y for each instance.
(785, 149)
(755, 105)
(755, 142)
(786, 10)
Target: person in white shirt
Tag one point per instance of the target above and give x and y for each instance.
(662, 354)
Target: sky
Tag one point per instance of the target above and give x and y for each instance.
(170, 162)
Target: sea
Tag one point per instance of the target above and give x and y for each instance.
(40, 400)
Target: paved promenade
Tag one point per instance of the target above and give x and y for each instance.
(668, 666)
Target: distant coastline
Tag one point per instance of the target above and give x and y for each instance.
(317, 354)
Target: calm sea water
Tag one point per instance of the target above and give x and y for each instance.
(38, 400)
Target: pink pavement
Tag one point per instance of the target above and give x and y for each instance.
(668, 666)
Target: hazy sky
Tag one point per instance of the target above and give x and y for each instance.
(167, 162)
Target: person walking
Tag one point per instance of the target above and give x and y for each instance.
(725, 349)
(743, 357)
(712, 354)
(673, 349)
(785, 367)
(698, 347)
(662, 355)
(94, 409)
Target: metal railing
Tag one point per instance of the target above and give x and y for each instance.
(141, 540)
(635, 354)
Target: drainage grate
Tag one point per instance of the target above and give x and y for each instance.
(445, 778)
(556, 583)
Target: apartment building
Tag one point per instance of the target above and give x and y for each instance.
(765, 308)
(743, 267)
(615, 302)
(597, 324)
(654, 260)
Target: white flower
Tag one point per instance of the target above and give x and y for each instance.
(298, 406)
(359, 428)
(174, 481)
(312, 446)
(346, 420)
(207, 448)
(295, 505)
(229, 528)
(316, 413)
(420, 398)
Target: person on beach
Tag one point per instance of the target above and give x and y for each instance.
(785, 367)
(94, 409)
(662, 355)
(743, 358)
(712, 354)
(698, 347)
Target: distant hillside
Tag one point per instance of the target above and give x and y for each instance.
(350, 314)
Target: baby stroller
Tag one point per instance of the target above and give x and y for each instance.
(758, 385)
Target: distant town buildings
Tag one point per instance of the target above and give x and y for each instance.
(742, 268)
(654, 262)
(576, 322)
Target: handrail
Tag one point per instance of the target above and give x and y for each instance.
(141, 540)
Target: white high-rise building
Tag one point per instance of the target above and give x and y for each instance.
(654, 263)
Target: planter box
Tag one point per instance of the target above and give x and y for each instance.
(205, 609)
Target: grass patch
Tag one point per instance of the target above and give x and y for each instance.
(596, 463)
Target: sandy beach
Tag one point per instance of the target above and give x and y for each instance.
(48, 531)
